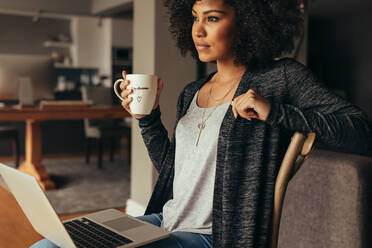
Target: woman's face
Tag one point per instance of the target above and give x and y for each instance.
(213, 30)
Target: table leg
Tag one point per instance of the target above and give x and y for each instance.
(32, 164)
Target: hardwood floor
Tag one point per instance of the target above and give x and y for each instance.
(15, 229)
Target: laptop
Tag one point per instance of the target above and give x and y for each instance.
(106, 228)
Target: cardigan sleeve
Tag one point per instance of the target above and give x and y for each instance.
(314, 108)
(155, 137)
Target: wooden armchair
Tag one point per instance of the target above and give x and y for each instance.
(297, 151)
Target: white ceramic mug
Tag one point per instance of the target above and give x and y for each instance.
(144, 88)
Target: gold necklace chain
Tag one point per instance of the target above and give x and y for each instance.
(223, 97)
(201, 124)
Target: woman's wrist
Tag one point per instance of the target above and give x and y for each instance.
(147, 120)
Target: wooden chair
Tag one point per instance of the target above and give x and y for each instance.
(102, 129)
(297, 151)
(11, 133)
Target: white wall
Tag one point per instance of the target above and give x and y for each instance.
(142, 173)
(154, 52)
(103, 5)
(92, 43)
(175, 70)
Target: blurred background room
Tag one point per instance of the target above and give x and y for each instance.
(52, 49)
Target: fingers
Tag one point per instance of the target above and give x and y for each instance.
(124, 84)
(125, 92)
(126, 103)
(244, 109)
(244, 105)
(251, 91)
(233, 107)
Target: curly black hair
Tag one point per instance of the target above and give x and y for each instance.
(265, 28)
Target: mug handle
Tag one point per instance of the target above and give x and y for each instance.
(116, 88)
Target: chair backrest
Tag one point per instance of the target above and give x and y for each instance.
(297, 151)
(98, 96)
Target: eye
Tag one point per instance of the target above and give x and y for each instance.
(213, 19)
(194, 18)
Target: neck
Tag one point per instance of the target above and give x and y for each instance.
(227, 70)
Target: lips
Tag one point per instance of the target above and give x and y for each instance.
(201, 46)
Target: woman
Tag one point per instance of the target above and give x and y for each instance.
(217, 174)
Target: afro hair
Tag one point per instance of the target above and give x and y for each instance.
(265, 29)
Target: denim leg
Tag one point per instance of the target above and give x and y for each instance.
(183, 240)
(154, 219)
(177, 239)
(44, 243)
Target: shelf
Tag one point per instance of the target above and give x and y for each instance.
(50, 43)
(61, 65)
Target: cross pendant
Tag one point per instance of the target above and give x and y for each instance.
(201, 126)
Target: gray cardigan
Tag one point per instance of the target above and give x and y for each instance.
(250, 152)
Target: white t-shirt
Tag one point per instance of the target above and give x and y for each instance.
(190, 210)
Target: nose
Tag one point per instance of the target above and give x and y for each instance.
(199, 30)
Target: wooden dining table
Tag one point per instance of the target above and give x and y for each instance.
(35, 115)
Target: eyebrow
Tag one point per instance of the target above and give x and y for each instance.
(212, 10)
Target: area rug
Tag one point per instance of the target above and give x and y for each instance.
(83, 187)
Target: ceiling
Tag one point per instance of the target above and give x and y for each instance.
(124, 8)
(105, 8)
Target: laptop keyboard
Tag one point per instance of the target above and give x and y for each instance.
(88, 234)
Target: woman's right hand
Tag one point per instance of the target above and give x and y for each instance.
(125, 94)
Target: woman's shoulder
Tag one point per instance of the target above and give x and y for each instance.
(284, 68)
(290, 65)
(278, 67)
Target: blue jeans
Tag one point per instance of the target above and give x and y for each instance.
(176, 240)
